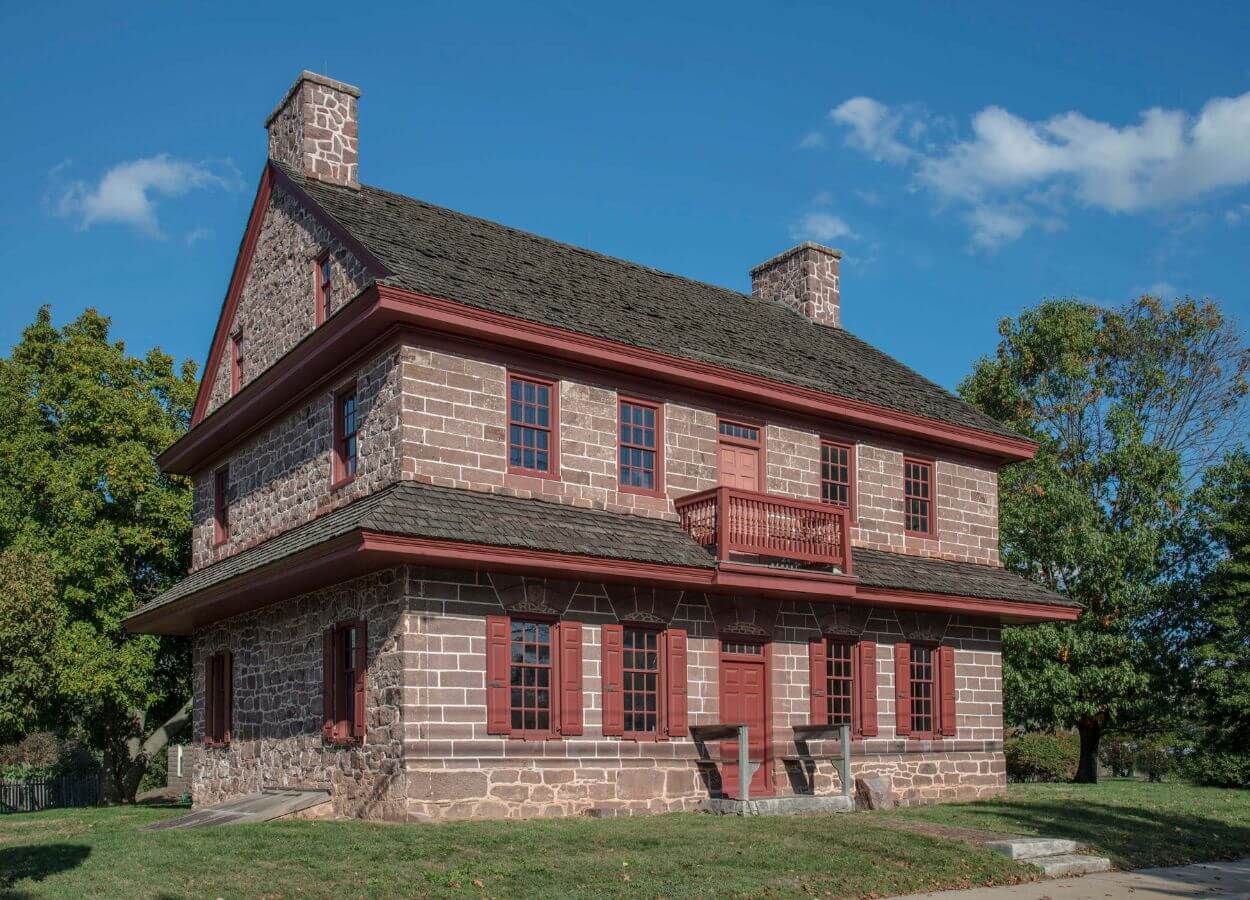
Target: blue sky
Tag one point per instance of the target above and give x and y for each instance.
(969, 164)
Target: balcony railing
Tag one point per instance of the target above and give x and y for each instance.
(733, 521)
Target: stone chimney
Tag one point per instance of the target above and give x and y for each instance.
(804, 278)
(314, 129)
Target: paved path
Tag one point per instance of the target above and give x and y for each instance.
(1225, 880)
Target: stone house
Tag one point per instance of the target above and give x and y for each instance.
(485, 524)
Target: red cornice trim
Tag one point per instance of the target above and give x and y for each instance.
(363, 551)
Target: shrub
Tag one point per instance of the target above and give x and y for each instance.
(1042, 757)
(1218, 768)
(1117, 755)
(1154, 761)
(34, 756)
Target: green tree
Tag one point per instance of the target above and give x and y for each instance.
(1126, 405)
(31, 623)
(80, 424)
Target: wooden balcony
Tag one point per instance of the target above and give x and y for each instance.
(744, 523)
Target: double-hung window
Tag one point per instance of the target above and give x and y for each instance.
(323, 274)
(532, 417)
(218, 699)
(344, 688)
(221, 505)
(641, 685)
(640, 447)
(346, 436)
(836, 484)
(918, 516)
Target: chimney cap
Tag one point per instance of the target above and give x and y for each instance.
(798, 248)
(315, 79)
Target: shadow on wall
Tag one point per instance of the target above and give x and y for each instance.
(38, 862)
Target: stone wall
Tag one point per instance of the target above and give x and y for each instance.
(277, 307)
(315, 129)
(281, 477)
(428, 755)
(804, 278)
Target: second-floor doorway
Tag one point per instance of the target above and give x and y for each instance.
(738, 456)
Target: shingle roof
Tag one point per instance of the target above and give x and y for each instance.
(880, 568)
(429, 511)
(453, 256)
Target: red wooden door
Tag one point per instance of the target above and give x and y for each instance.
(744, 699)
(739, 467)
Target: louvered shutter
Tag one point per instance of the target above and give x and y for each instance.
(818, 679)
(902, 688)
(675, 671)
(867, 677)
(613, 671)
(570, 637)
(946, 689)
(360, 702)
(227, 700)
(327, 685)
(498, 708)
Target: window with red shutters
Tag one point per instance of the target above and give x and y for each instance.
(531, 665)
(236, 362)
(533, 416)
(640, 450)
(323, 278)
(924, 679)
(533, 678)
(346, 436)
(836, 474)
(346, 679)
(221, 505)
(923, 692)
(843, 684)
(644, 681)
(946, 690)
(640, 682)
(218, 699)
(918, 515)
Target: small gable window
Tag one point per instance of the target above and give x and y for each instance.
(221, 505)
(346, 436)
(641, 442)
(236, 363)
(918, 497)
(532, 416)
(323, 273)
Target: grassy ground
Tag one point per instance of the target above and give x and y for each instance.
(1134, 823)
(99, 852)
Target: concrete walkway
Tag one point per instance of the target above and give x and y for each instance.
(1226, 880)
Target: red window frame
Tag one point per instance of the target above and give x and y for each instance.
(516, 414)
(323, 281)
(236, 362)
(926, 501)
(530, 718)
(924, 665)
(830, 485)
(346, 451)
(221, 505)
(345, 682)
(741, 440)
(638, 664)
(219, 699)
(631, 438)
(841, 661)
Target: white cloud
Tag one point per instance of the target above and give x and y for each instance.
(1010, 170)
(196, 235)
(1235, 215)
(128, 193)
(811, 140)
(820, 226)
(1164, 290)
(873, 128)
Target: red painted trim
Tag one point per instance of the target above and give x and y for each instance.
(852, 473)
(319, 286)
(660, 449)
(766, 660)
(1011, 611)
(553, 424)
(931, 532)
(339, 476)
(758, 445)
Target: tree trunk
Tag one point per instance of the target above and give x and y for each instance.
(1090, 731)
(127, 762)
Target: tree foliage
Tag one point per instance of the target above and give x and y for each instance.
(31, 619)
(81, 422)
(1125, 404)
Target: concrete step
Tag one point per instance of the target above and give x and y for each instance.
(1031, 848)
(1065, 864)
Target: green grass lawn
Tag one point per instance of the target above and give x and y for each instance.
(99, 851)
(1133, 823)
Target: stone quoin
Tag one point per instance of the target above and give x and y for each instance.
(485, 524)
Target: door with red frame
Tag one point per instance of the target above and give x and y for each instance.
(739, 467)
(744, 699)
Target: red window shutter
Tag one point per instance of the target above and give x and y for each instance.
(946, 688)
(613, 671)
(818, 672)
(498, 708)
(327, 685)
(227, 701)
(675, 670)
(360, 706)
(902, 688)
(867, 676)
(210, 699)
(570, 677)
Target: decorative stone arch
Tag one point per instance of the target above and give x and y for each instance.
(523, 594)
(737, 614)
(841, 620)
(923, 626)
(635, 603)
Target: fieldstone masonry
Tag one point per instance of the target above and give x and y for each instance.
(427, 754)
(804, 278)
(315, 129)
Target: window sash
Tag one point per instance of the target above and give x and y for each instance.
(641, 684)
(348, 429)
(835, 474)
(345, 639)
(736, 431)
(638, 451)
(221, 505)
(924, 709)
(531, 678)
(918, 496)
(325, 286)
(530, 425)
(840, 681)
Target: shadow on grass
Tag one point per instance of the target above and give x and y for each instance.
(37, 862)
(1132, 836)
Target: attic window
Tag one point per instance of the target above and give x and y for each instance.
(323, 278)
